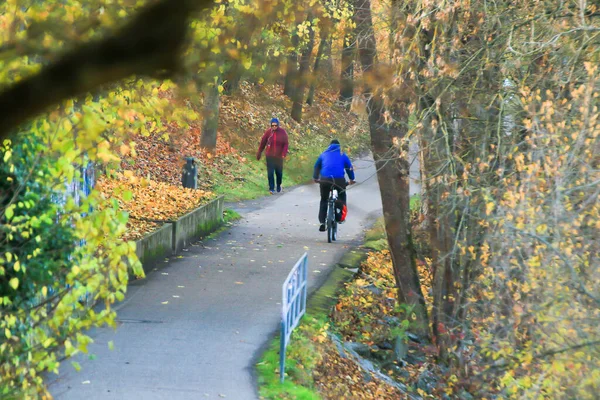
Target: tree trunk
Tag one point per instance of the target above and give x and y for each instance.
(292, 67)
(347, 75)
(298, 95)
(208, 140)
(327, 62)
(393, 177)
(233, 78)
(311, 92)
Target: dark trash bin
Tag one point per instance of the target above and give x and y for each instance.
(189, 175)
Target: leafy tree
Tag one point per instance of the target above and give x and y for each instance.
(49, 280)
(303, 70)
(506, 116)
(99, 72)
(28, 228)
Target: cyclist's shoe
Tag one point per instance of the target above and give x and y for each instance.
(322, 228)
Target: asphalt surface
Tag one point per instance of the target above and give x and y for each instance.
(195, 327)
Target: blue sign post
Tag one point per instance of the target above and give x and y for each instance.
(294, 306)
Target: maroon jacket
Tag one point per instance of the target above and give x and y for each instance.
(275, 143)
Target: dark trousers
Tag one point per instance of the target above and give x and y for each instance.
(274, 167)
(326, 184)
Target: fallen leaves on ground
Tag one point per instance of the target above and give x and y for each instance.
(367, 313)
(362, 312)
(150, 203)
(243, 118)
(340, 378)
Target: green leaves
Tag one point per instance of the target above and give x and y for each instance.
(14, 283)
(9, 212)
(42, 266)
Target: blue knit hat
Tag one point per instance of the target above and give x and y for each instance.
(275, 121)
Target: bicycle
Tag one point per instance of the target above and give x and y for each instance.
(331, 222)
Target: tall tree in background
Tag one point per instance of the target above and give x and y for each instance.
(210, 123)
(347, 70)
(291, 79)
(317, 69)
(303, 71)
(245, 26)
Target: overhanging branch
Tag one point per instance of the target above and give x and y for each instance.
(148, 45)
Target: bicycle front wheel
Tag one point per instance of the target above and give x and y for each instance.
(334, 231)
(330, 224)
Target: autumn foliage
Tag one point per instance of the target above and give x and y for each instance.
(506, 105)
(148, 203)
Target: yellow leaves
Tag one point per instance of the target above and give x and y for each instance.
(14, 283)
(590, 67)
(246, 61)
(67, 126)
(534, 261)
(104, 153)
(130, 175)
(541, 229)
(489, 207)
(7, 155)
(124, 150)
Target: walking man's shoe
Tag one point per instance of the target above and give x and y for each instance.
(322, 228)
(272, 191)
(279, 189)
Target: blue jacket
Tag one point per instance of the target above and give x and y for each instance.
(332, 163)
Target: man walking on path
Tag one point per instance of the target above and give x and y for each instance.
(275, 144)
(331, 167)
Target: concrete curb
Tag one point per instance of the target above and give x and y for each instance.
(171, 238)
(155, 245)
(198, 223)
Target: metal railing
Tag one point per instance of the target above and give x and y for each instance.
(77, 189)
(293, 305)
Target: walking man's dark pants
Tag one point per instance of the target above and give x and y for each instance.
(326, 184)
(274, 168)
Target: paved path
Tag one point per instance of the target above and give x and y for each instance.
(195, 327)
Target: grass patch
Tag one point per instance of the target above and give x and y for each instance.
(231, 215)
(302, 356)
(376, 238)
(248, 182)
(415, 202)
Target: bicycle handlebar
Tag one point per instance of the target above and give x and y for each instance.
(347, 182)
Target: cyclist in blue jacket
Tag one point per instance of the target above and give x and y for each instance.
(329, 171)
